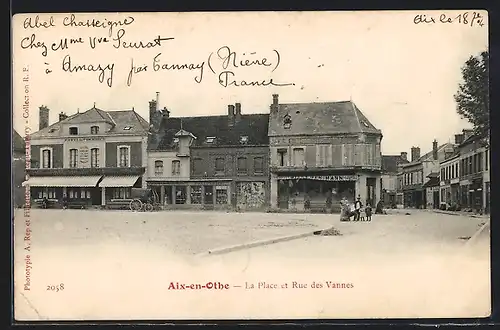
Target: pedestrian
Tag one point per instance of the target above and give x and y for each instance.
(45, 202)
(65, 202)
(368, 212)
(357, 208)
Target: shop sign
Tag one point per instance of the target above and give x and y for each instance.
(84, 155)
(321, 177)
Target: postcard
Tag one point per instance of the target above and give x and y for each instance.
(251, 165)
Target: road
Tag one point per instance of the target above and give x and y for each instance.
(119, 265)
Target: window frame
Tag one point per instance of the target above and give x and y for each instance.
(73, 161)
(94, 161)
(94, 130)
(157, 167)
(118, 158)
(70, 130)
(51, 157)
(176, 169)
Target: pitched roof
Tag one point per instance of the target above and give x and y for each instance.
(18, 143)
(119, 119)
(432, 182)
(390, 163)
(254, 126)
(320, 118)
(429, 155)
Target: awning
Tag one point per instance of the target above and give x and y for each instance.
(320, 177)
(118, 181)
(62, 181)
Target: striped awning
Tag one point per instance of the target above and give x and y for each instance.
(119, 181)
(62, 181)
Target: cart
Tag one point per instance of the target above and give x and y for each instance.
(144, 200)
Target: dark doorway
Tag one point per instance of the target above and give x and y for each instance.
(435, 198)
(96, 196)
(283, 194)
(208, 199)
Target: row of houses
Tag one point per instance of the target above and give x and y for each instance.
(290, 156)
(453, 176)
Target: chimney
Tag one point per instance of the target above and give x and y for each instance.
(435, 149)
(62, 116)
(404, 155)
(43, 117)
(274, 105)
(415, 154)
(237, 113)
(165, 112)
(157, 101)
(230, 114)
(459, 139)
(467, 133)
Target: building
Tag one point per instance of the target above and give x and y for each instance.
(226, 156)
(18, 168)
(449, 178)
(390, 166)
(474, 173)
(91, 157)
(414, 176)
(320, 153)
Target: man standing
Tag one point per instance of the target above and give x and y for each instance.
(357, 208)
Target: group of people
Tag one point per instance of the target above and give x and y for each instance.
(355, 210)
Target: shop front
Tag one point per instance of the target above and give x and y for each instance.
(114, 189)
(81, 190)
(194, 194)
(303, 192)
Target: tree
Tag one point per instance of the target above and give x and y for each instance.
(472, 98)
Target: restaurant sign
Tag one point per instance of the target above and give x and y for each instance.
(321, 177)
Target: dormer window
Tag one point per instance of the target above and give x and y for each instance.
(210, 139)
(73, 131)
(176, 140)
(243, 139)
(94, 130)
(287, 121)
(127, 128)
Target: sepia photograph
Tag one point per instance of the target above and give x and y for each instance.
(251, 165)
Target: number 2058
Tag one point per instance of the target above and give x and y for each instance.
(56, 288)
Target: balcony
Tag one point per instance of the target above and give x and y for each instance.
(86, 171)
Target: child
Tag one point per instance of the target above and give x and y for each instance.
(368, 211)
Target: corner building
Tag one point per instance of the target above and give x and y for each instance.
(321, 153)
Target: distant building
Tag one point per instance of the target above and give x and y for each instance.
(320, 153)
(390, 166)
(18, 168)
(414, 176)
(217, 162)
(474, 173)
(91, 157)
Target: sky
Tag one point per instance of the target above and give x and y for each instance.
(401, 75)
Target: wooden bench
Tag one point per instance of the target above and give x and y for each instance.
(51, 203)
(118, 204)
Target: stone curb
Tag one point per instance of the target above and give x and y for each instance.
(474, 237)
(258, 243)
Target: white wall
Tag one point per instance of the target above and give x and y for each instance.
(167, 157)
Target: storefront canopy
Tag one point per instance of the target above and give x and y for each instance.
(119, 181)
(321, 177)
(62, 181)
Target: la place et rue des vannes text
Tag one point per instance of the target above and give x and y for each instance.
(224, 63)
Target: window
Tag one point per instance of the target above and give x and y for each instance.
(219, 165)
(287, 122)
(298, 157)
(282, 157)
(258, 165)
(94, 157)
(121, 193)
(158, 167)
(176, 168)
(210, 139)
(242, 164)
(442, 174)
(221, 195)
(73, 158)
(180, 194)
(197, 166)
(73, 131)
(127, 128)
(486, 159)
(480, 162)
(196, 195)
(46, 157)
(123, 156)
(94, 130)
(85, 193)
